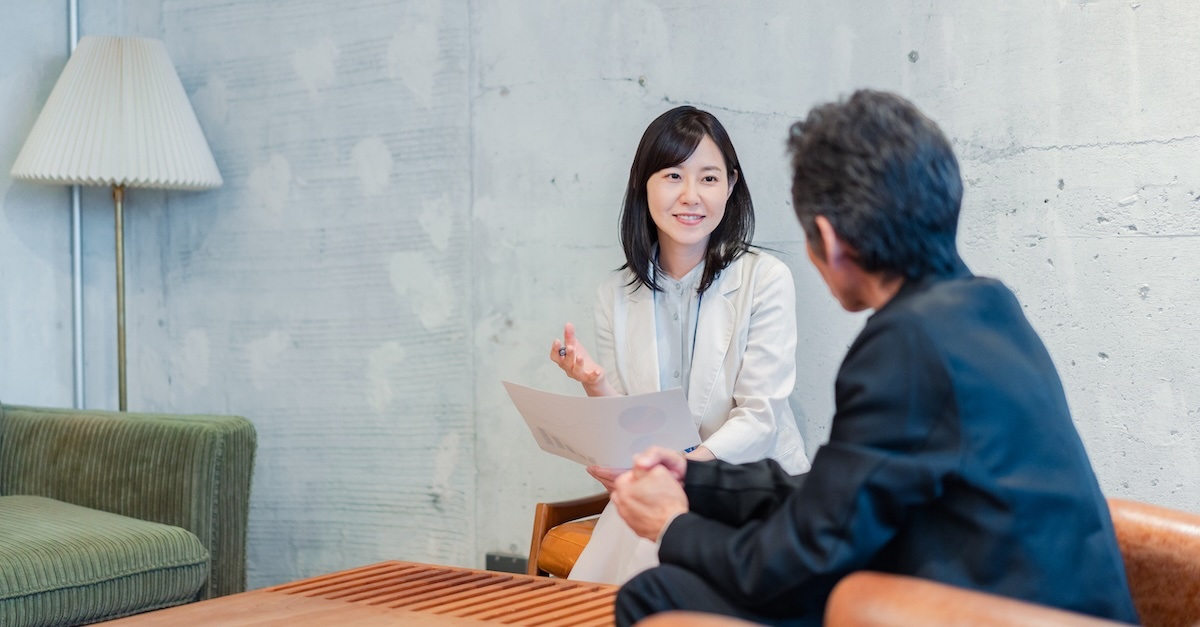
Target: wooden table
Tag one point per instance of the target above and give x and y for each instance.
(390, 593)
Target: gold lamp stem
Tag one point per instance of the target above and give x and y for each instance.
(119, 208)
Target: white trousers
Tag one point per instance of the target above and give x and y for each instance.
(614, 554)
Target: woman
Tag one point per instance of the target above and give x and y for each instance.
(693, 307)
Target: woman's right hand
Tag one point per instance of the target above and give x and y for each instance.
(574, 360)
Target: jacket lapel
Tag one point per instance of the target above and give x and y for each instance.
(641, 343)
(714, 333)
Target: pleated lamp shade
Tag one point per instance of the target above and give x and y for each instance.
(118, 115)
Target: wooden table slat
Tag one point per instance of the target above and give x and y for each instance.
(416, 595)
(348, 587)
(351, 576)
(503, 593)
(517, 611)
(488, 586)
(380, 594)
(601, 617)
(514, 592)
(501, 607)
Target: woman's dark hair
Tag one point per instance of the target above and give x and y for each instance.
(885, 177)
(669, 140)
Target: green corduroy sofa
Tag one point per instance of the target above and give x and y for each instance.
(107, 514)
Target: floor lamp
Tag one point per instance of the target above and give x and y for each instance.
(119, 117)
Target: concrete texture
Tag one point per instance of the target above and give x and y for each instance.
(35, 222)
(419, 194)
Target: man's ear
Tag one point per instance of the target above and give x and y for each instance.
(835, 249)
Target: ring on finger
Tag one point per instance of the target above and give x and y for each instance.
(562, 352)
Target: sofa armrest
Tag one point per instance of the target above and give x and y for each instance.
(188, 471)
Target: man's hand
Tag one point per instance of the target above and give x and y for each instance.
(673, 461)
(649, 499)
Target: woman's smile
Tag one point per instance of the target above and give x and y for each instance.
(687, 202)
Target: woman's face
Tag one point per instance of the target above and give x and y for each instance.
(687, 201)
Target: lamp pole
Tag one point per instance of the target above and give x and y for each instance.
(111, 90)
(119, 215)
(76, 241)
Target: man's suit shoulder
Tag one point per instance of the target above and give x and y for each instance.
(934, 302)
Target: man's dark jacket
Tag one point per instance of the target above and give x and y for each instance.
(952, 457)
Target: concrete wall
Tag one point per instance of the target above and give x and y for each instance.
(322, 291)
(419, 194)
(1074, 122)
(35, 222)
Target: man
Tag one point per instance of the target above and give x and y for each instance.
(952, 454)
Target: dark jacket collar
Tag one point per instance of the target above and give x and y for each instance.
(915, 286)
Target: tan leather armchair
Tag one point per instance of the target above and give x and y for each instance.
(1161, 548)
(870, 599)
(560, 531)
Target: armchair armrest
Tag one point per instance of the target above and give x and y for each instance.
(884, 600)
(693, 619)
(188, 471)
(871, 599)
(680, 618)
(1161, 548)
(550, 515)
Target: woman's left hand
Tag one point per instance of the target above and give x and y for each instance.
(605, 475)
(700, 454)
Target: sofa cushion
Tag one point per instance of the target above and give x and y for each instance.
(61, 564)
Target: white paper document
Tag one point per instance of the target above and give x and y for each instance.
(605, 430)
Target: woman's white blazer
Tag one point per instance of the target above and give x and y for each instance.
(743, 362)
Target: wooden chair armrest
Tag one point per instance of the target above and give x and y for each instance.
(550, 515)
